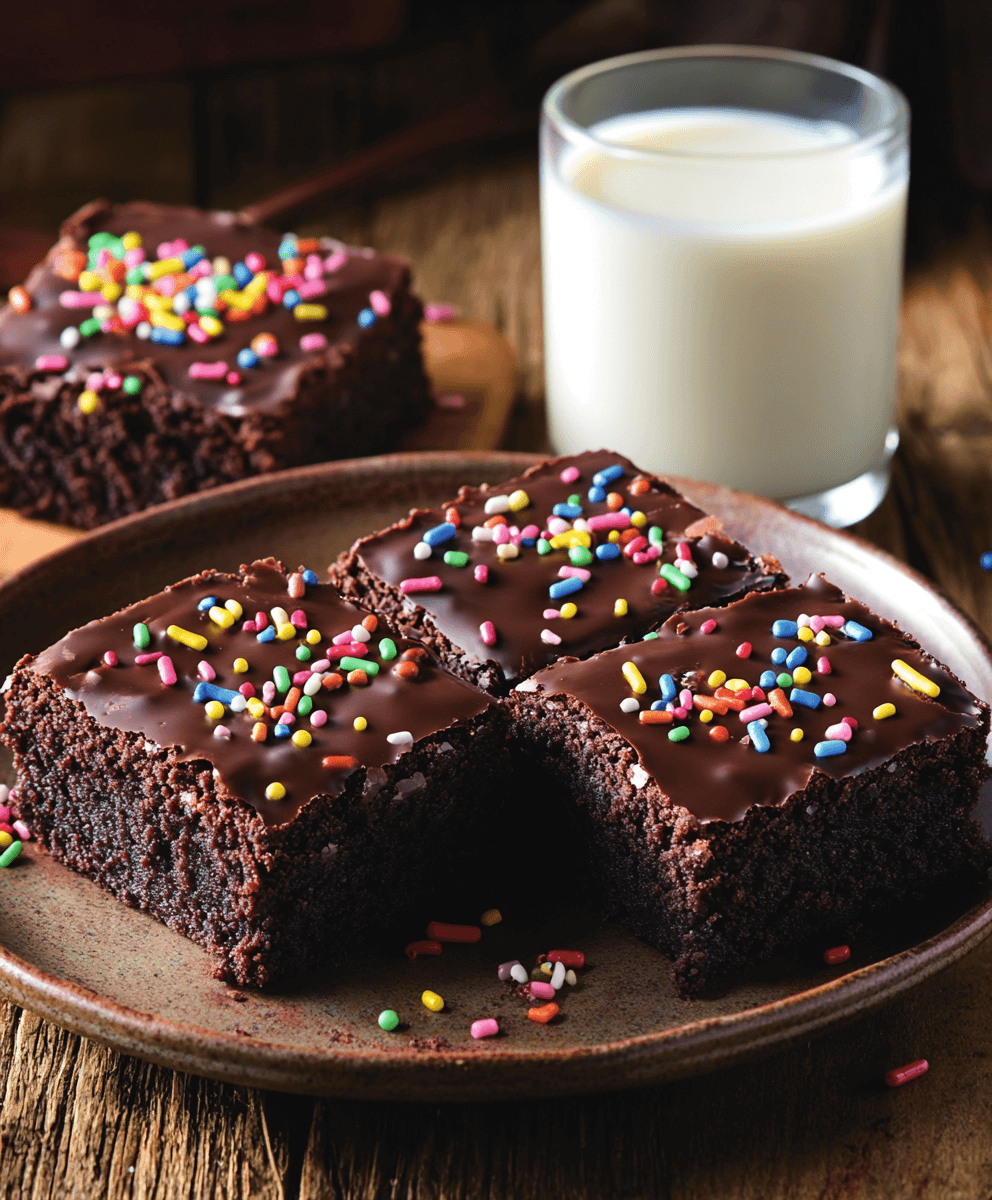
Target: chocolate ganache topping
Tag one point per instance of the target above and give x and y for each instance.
(326, 274)
(621, 564)
(406, 691)
(720, 780)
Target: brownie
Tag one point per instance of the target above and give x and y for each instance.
(725, 842)
(272, 852)
(230, 350)
(491, 611)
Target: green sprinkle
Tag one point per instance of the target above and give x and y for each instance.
(456, 558)
(142, 638)
(132, 384)
(579, 556)
(225, 283)
(543, 546)
(135, 276)
(387, 649)
(389, 1020)
(304, 653)
(280, 677)
(575, 499)
(360, 664)
(784, 680)
(90, 326)
(679, 733)
(206, 309)
(648, 637)
(11, 853)
(305, 706)
(656, 535)
(671, 574)
(98, 241)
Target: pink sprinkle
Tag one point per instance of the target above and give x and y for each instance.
(247, 690)
(23, 830)
(335, 261)
(310, 288)
(501, 535)
(755, 712)
(487, 631)
(154, 656)
(651, 553)
(313, 341)
(287, 719)
(487, 1027)
(574, 573)
(95, 381)
(249, 627)
(319, 667)
(611, 520)
(823, 666)
(642, 557)
(298, 618)
(134, 257)
(427, 583)
(852, 721)
(838, 732)
(481, 573)
(437, 312)
(268, 691)
(549, 638)
(51, 362)
(110, 658)
(198, 334)
(297, 587)
(261, 620)
(233, 378)
(832, 622)
(314, 267)
(684, 550)
(541, 991)
(318, 718)
(757, 693)
(4, 813)
(530, 531)
(829, 699)
(112, 381)
(380, 303)
(679, 712)
(77, 300)
(200, 271)
(551, 614)
(164, 250)
(103, 257)
(167, 672)
(569, 475)
(685, 698)
(342, 639)
(557, 525)
(300, 678)
(179, 246)
(222, 732)
(206, 671)
(202, 370)
(710, 627)
(254, 262)
(744, 650)
(348, 650)
(274, 290)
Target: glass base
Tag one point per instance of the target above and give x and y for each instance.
(850, 502)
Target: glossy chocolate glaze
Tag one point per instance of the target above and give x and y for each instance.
(26, 336)
(721, 781)
(133, 697)
(516, 595)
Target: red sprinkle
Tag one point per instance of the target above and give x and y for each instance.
(719, 733)
(744, 650)
(900, 1075)
(416, 948)
(659, 586)
(837, 954)
(709, 627)
(453, 933)
(852, 721)
(571, 958)
(110, 658)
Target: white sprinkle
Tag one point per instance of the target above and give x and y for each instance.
(93, 676)
(403, 738)
(638, 776)
(421, 551)
(507, 551)
(360, 633)
(312, 685)
(279, 617)
(549, 638)
(630, 704)
(180, 303)
(581, 523)
(687, 568)
(481, 533)
(143, 330)
(528, 685)
(222, 732)
(558, 976)
(69, 337)
(571, 978)
(6, 683)
(720, 560)
(519, 974)
(238, 704)
(497, 504)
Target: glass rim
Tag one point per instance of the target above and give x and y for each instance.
(896, 122)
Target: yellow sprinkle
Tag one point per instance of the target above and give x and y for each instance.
(570, 538)
(90, 281)
(638, 519)
(287, 631)
(805, 634)
(275, 791)
(310, 312)
(237, 300)
(507, 552)
(706, 716)
(240, 666)
(221, 617)
(88, 402)
(166, 320)
(221, 265)
(211, 325)
(547, 968)
(801, 675)
(256, 708)
(111, 292)
(156, 302)
(796, 735)
(883, 711)
(131, 240)
(717, 679)
(620, 608)
(235, 609)
(301, 738)
(214, 709)
(634, 678)
(918, 682)
(313, 637)
(737, 685)
(195, 641)
(568, 611)
(613, 535)
(360, 723)
(165, 266)
(518, 500)
(492, 916)
(5, 840)
(823, 638)
(432, 1001)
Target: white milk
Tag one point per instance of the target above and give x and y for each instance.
(721, 316)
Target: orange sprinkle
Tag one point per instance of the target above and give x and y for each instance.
(370, 623)
(780, 703)
(20, 301)
(332, 682)
(293, 266)
(259, 732)
(69, 264)
(414, 654)
(725, 694)
(276, 713)
(639, 487)
(628, 535)
(614, 501)
(357, 678)
(544, 1014)
(453, 516)
(713, 703)
(406, 670)
(292, 699)
(307, 245)
(655, 716)
(492, 522)
(719, 733)
(338, 762)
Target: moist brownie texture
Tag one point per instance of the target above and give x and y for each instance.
(159, 351)
(834, 777)
(574, 556)
(264, 770)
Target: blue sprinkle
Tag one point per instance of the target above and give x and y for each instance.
(607, 550)
(309, 577)
(440, 534)
(268, 634)
(366, 318)
(191, 256)
(568, 511)
(759, 739)
(247, 358)
(190, 292)
(668, 689)
(658, 704)
(207, 603)
(796, 658)
(627, 510)
(779, 655)
(565, 587)
(596, 495)
(291, 298)
(806, 699)
(767, 679)
(986, 560)
(210, 691)
(607, 475)
(856, 632)
(287, 247)
(242, 274)
(167, 337)
(784, 629)
(528, 541)
(281, 731)
(828, 749)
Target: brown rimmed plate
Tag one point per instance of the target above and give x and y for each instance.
(73, 954)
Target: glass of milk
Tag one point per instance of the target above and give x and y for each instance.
(722, 233)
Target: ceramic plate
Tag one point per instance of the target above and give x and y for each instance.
(73, 954)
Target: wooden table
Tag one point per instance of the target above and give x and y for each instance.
(814, 1121)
